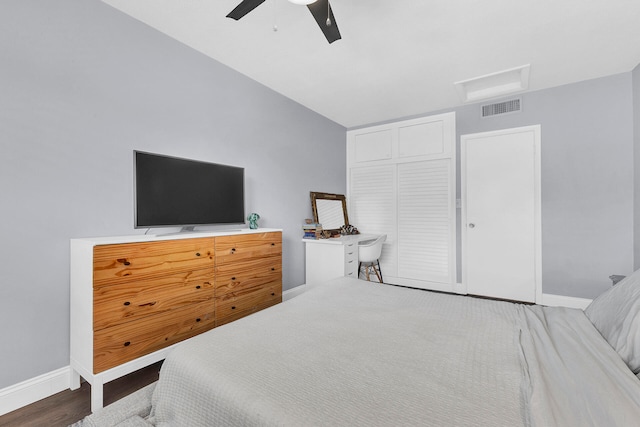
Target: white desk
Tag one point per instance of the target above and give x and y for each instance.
(327, 259)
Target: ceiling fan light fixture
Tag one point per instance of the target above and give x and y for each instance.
(302, 2)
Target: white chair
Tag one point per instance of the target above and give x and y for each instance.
(369, 257)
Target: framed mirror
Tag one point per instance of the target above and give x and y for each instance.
(330, 210)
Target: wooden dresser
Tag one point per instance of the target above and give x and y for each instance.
(134, 297)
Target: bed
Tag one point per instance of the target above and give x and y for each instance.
(355, 353)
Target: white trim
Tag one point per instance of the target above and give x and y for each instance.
(563, 301)
(29, 391)
(294, 292)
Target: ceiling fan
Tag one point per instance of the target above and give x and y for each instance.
(320, 9)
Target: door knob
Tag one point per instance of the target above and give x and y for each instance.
(471, 225)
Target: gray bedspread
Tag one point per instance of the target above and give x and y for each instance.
(353, 353)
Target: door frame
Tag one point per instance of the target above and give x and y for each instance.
(536, 129)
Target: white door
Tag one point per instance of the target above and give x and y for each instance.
(501, 213)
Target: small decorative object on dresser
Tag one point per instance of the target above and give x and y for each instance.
(253, 220)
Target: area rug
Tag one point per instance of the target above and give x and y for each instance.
(130, 411)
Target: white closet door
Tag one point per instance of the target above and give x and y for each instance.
(372, 202)
(402, 183)
(425, 221)
(501, 213)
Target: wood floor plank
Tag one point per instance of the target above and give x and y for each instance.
(67, 407)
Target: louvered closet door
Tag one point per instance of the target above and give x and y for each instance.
(424, 221)
(372, 200)
(402, 183)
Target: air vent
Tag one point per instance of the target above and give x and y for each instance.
(511, 106)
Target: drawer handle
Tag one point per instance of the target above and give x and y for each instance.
(127, 303)
(273, 269)
(273, 244)
(197, 253)
(127, 343)
(233, 307)
(124, 261)
(198, 287)
(233, 249)
(198, 319)
(273, 294)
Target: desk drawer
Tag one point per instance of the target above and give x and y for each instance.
(351, 259)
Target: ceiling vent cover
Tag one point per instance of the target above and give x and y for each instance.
(511, 106)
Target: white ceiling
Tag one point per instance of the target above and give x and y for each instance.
(399, 58)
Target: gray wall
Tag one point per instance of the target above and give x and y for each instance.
(636, 160)
(587, 178)
(81, 86)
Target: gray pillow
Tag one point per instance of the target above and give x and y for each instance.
(616, 314)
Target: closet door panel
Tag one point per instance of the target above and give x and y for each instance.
(425, 221)
(373, 146)
(373, 208)
(421, 140)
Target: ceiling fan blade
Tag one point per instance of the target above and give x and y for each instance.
(243, 8)
(321, 10)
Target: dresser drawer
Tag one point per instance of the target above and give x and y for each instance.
(122, 343)
(234, 305)
(250, 246)
(233, 277)
(130, 301)
(133, 261)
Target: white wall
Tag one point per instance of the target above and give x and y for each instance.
(83, 85)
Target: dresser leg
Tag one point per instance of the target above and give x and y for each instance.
(96, 395)
(74, 380)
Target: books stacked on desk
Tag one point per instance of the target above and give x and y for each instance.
(312, 231)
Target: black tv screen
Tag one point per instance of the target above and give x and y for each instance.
(171, 191)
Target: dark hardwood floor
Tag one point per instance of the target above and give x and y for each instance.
(68, 406)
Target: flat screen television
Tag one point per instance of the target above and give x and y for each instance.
(175, 192)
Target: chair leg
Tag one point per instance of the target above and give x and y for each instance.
(378, 274)
(359, 269)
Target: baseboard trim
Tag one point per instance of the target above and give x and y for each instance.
(30, 391)
(294, 292)
(563, 301)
